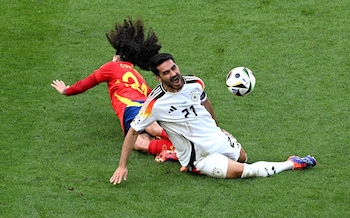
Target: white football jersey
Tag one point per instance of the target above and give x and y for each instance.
(184, 119)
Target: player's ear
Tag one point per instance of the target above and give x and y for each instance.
(158, 78)
(116, 58)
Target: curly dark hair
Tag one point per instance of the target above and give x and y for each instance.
(131, 45)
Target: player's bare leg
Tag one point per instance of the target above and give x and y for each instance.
(234, 169)
(159, 145)
(142, 142)
(242, 156)
(154, 129)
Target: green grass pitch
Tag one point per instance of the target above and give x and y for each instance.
(58, 153)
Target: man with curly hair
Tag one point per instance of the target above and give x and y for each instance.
(127, 88)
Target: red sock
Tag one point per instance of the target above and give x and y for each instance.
(164, 135)
(156, 145)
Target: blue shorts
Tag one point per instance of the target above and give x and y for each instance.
(129, 114)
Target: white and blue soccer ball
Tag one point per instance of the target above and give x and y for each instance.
(240, 81)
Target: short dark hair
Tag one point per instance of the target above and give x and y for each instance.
(158, 59)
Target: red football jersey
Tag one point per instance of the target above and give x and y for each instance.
(126, 86)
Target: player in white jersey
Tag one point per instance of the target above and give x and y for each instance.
(180, 105)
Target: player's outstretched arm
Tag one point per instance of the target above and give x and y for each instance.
(60, 86)
(122, 171)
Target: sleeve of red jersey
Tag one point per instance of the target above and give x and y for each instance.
(82, 85)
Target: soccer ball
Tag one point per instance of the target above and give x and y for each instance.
(240, 81)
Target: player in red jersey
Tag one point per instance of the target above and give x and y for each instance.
(127, 88)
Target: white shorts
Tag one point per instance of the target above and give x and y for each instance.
(216, 164)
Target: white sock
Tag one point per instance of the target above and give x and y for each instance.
(264, 169)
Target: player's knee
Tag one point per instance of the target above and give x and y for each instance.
(243, 157)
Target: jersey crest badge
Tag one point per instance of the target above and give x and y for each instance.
(195, 96)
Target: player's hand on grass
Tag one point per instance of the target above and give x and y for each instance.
(60, 86)
(119, 174)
